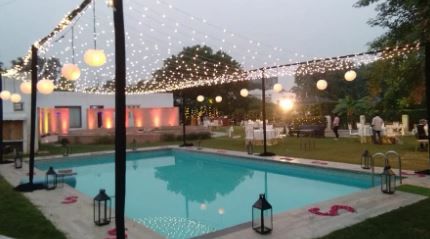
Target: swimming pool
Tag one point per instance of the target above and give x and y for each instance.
(182, 194)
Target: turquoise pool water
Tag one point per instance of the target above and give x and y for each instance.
(182, 194)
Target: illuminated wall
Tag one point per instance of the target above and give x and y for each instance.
(137, 117)
(53, 121)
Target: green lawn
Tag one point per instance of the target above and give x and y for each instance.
(406, 222)
(20, 219)
(346, 150)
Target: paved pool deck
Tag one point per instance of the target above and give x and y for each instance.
(76, 220)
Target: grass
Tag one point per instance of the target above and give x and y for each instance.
(406, 222)
(20, 219)
(347, 150)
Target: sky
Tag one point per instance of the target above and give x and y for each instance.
(307, 28)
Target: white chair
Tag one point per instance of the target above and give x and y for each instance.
(350, 131)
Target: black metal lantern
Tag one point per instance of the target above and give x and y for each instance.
(388, 180)
(262, 218)
(102, 208)
(365, 159)
(18, 160)
(249, 147)
(51, 179)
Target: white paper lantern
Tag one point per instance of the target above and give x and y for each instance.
(322, 84)
(5, 95)
(45, 86)
(15, 98)
(109, 3)
(200, 98)
(95, 57)
(70, 71)
(277, 87)
(244, 92)
(350, 75)
(25, 87)
(218, 99)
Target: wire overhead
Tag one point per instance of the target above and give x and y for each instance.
(157, 32)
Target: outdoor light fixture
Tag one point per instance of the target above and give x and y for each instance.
(200, 98)
(388, 180)
(51, 179)
(5, 95)
(218, 99)
(102, 208)
(95, 57)
(262, 218)
(322, 84)
(244, 92)
(277, 87)
(365, 159)
(350, 75)
(18, 160)
(15, 98)
(45, 86)
(286, 104)
(70, 72)
(25, 87)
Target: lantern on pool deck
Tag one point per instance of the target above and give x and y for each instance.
(102, 208)
(365, 159)
(18, 160)
(51, 179)
(262, 219)
(388, 180)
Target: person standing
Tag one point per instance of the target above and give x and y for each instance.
(377, 123)
(336, 122)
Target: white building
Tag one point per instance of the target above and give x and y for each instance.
(60, 112)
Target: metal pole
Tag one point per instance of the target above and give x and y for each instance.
(1, 120)
(427, 80)
(120, 133)
(263, 92)
(184, 140)
(33, 113)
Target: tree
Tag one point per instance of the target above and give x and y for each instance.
(195, 65)
(352, 108)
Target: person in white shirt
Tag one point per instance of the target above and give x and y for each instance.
(377, 123)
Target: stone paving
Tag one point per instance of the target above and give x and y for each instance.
(75, 220)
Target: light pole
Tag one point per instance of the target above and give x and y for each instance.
(263, 92)
(181, 102)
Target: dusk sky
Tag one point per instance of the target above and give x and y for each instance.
(309, 27)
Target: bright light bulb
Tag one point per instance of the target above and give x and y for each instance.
(200, 98)
(15, 98)
(322, 84)
(286, 104)
(277, 87)
(244, 92)
(218, 99)
(95, 57)
(350, 75)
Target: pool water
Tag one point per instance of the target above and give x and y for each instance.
(182, 194)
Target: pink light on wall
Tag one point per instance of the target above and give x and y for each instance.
(53, 120)
(108, 118)
(91, 118)
(138, 118)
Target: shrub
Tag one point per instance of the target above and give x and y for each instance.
(104, 140)
(167, 137)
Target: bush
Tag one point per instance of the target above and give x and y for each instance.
(64, 142)
(198, 136)
(104, 140)
(168, 137)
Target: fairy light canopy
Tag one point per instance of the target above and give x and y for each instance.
(157, 32)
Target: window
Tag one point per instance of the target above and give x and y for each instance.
(75, 120)
(18, 106)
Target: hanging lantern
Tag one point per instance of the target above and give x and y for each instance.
(5, 95)
(15, 98)
(244, 92)
(70, 71)
(18, 160)
(51, 179)
(388, 180)
(25, 87)
(45, 86)
(200, 98)
(95, 57)
(350, 75)
(218, 99)
(262, 218)
(277, 87)
(322, 84)
(365, 159)
(102, 208)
